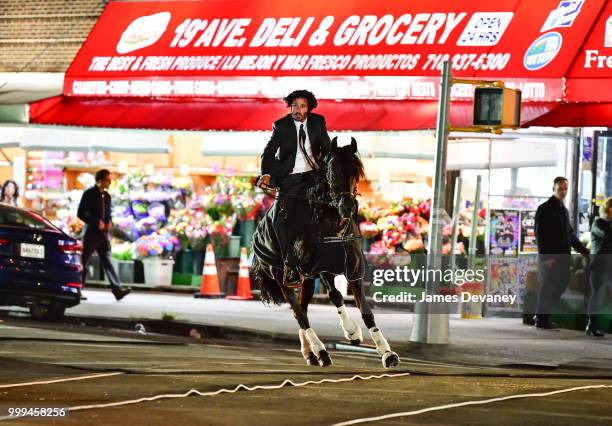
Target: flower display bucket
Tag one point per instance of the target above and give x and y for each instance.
(234, 246)
(247, 229)
(220, 250)
(198, 261)
(125, 270)
(94, 272)
(184, 262)
(158, 271)
(366, 244)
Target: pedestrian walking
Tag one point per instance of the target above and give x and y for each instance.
(95, 211)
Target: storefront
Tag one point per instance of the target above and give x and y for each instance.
(211, 88)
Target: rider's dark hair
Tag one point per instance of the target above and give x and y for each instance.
(305, 94)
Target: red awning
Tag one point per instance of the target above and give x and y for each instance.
(178, 65)
(251, 114)
(577, 114)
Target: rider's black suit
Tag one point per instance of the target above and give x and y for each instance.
(278, 161)
(278, 158)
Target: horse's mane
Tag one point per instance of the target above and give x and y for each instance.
(351, 163)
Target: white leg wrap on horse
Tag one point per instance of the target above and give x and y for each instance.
(315, 344)
(382, 346)
(305, 344)
(351, 330)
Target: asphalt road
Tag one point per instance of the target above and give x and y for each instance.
(84, 367)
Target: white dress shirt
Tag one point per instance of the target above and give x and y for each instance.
(301, 165)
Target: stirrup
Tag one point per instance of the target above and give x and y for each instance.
(289, 273)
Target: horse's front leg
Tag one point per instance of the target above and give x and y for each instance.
(312, 348)
(389, 358)
(352, 331)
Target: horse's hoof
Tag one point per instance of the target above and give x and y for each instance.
(311, 359)
(390, 359)
(356, 337)
(324, 359)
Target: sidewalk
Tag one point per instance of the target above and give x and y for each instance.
(490, 341)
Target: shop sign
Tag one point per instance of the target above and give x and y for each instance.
(542, 51)
(143, 48)
(563, 16)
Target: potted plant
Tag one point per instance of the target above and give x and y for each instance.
(156, 251)
(122, 258)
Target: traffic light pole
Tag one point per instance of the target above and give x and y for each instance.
(431, 320)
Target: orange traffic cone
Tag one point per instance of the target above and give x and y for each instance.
(243, 289)
(210, 280)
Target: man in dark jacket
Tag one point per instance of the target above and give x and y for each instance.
(289, 161)
(555, 238)
(95, 211)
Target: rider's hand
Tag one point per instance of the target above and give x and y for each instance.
(264, 181)
(549, 263)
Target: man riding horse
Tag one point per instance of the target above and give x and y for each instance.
(311, 230)
(289, 161)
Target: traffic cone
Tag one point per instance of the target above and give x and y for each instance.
(210, 280)
(243, 289)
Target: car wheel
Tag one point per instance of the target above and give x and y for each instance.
(47, 312)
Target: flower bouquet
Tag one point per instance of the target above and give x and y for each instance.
(160, 244)
(414, 246)
(246, 205)
(368, 230)
(219, 234)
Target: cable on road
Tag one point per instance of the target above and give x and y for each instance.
(240, 387)
(68, 379)
(466, 404)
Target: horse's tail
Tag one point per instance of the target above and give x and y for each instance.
(269, 287)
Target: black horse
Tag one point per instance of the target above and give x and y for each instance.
(329, 246)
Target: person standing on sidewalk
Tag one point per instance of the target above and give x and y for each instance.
(10, 193)
(601, 263)
(555, 238)
(95, 211)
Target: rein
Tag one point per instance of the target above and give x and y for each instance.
(267, 188)
(343, 237)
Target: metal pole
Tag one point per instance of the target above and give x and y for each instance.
(431, 325)
(455, 224)
(474, 228)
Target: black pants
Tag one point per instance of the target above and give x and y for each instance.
(599, 280)
(553, 283)
(291, 214)
(99, 243)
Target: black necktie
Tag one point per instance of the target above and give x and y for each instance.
(302, 144)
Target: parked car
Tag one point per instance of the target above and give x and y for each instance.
(40, 265)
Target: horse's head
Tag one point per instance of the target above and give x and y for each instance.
(343, 169)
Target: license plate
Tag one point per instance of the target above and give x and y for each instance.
(36, 251)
